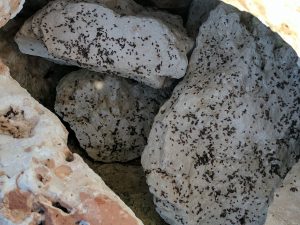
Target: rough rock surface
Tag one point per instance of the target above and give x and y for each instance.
(284, 210)
(9, 9)
(137, 43)
(281, 16)
(111, 116)
(198, 12)
(30, 44)
(230, 131)
(41, 181)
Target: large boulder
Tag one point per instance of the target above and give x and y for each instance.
(9, 9)
(136, 43)
(284, 210)
(111, 116)
(41, 181)
(230, 131)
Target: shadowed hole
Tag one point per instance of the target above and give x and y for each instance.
(59, 206)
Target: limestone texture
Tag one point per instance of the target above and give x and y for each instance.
(230, 131)
(111, 116)
(128, 40)
(41, 181)
(9, 9)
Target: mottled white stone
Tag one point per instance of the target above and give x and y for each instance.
(31, 44)
(230, 131)
(111, 116)
(137, 43)
(41, 181)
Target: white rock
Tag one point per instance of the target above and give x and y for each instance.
(230, 131)
(137, 43)
(29, 37)
(126, 7)
(281, 16)
(284, 210)
(41, 181)
(31, 44)
(111, 116)
(9, 9)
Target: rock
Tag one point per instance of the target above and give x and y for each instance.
(198, 13)
(285, 208)
(118, 47)
(30, 36)
(127, 7)
(30, 44)
(281, 16)
(171, 4)
(111, 116)
(230, 131)
(9, 9)
(41, 181)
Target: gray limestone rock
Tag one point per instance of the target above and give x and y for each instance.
(111, 116)
(136, 43)
(31, 44)
(126, 7)
(230, 131)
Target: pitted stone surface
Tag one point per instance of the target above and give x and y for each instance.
(41, 181)
(230, 131)
(137, 43)
(111, 116)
